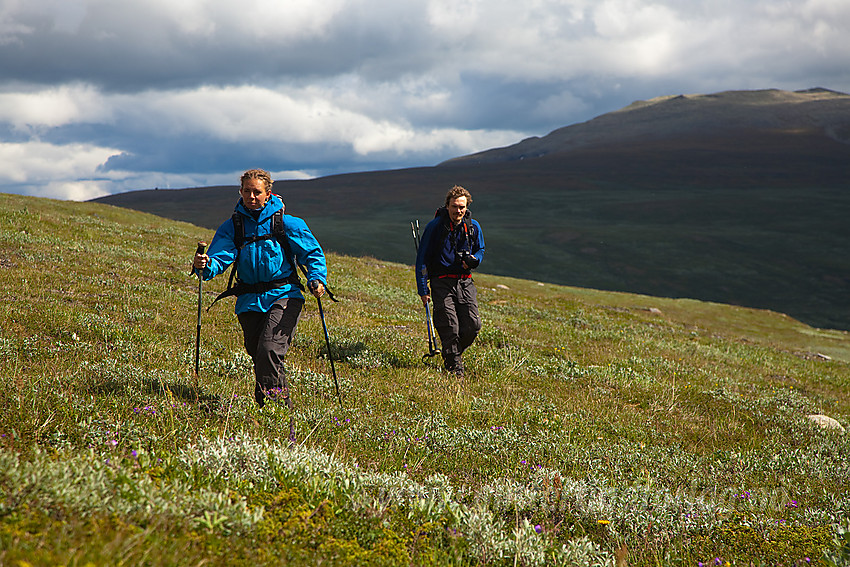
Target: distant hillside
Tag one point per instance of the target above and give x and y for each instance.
(736, 197)
(763, 117)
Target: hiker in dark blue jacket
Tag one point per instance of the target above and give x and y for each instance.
(452, 245)
(268, 290)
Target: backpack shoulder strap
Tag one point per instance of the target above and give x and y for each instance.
(468, 229)
(238, 230)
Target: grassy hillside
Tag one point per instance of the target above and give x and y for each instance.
(593, 427)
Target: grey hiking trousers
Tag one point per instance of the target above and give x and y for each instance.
(267, 338)
(455, 318)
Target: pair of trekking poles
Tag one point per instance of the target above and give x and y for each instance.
(201, 247)
(429, 323)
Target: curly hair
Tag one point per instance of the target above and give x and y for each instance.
(458, 191)
(260, 174)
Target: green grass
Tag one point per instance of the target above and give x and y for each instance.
(592, 426)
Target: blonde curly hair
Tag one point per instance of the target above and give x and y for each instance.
(260, 174)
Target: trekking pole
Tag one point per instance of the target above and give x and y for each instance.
(414, 226)
(432, 338)
(200, 250)
(327, 341)
(325, 327)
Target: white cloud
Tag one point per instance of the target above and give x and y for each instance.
(298, 115)
(53, 106)
(65, 172)
(73, 190)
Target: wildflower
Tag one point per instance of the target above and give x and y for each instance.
(538, 528)
(604, 522)
(792, 504)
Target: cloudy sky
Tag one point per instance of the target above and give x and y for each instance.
(104, 96)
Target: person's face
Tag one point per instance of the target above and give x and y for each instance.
(457, 209)
(254, 194)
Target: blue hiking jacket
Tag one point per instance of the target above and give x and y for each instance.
(437, 257)
(264, 260)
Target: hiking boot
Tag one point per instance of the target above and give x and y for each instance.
(457, 371)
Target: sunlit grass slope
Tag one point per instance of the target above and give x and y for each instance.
(592, 428)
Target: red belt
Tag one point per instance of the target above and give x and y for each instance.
(455, 276)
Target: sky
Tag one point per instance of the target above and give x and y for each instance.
(106, 96)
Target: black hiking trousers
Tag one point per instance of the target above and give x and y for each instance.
(267, 338)
(455, 318)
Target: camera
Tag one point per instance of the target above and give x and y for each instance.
(469, 259)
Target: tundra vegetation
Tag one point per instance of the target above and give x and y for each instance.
(593, 428)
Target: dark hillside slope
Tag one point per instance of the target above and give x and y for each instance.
(730, 118)
(738, 198)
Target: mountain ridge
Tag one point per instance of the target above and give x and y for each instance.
(661, 117)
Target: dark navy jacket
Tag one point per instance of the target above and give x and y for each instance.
(441, 246)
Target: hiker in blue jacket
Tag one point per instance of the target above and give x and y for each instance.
(268, 289)
(452, 245)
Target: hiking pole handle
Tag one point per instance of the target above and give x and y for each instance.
(201, 246)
